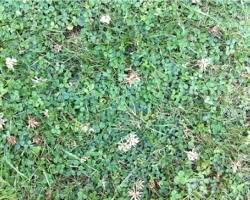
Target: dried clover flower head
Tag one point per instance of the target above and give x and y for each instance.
(37, 140)
(132, 78)
(11, 140)
(32, 122)
(214, 31)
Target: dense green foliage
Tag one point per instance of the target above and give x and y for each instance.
(70, 98)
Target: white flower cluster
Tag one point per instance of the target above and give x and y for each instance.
(105, 19)
(10, 63)
(192, 155)
(128, 142)
(136, 192)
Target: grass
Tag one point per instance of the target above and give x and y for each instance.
(124, 99)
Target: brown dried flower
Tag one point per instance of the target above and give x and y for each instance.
(37, 140)
(11, 140)
(153, 184)
(32, 122)
(214, 31)
(132, 77)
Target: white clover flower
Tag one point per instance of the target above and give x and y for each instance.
(192, 155)
(105, 19)
(128, 142)
(196, 1)
(136, 192)
(10, 63)
(203, 63)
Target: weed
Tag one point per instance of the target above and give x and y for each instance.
(98, 94)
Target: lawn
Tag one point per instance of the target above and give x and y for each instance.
(124, 99)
